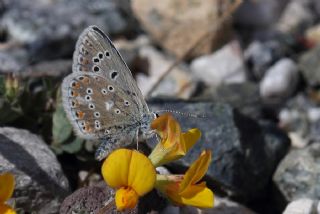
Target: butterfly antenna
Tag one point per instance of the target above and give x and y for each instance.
(183, 113)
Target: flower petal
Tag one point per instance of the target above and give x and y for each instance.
(129, 168)
(191, 137)
(197, 196)
(168, 129)
(196, 171)
(174, 144)
(115, 168)
(161, 124)
(126, 198)
(142, 175)
(6, 186)
(5, 209)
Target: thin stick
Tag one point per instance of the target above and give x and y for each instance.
(220, 21)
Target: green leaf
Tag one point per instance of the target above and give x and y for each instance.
(61, 129)
(2, 85)
(8, 113)
(73, 147)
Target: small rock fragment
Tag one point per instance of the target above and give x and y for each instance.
(280, 81)
(302, 206)
(224, 66)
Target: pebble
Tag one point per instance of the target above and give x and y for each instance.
(280, 81)
(223, 66)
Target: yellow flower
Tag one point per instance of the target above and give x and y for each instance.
(131, 173)
(185, 190)
(6, 189)
(174, 144)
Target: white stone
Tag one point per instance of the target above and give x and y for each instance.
(301, 206)
(224, 66)
(178, 83)
(313, 114)
(313, 34)
(280, 80)
(296, 13)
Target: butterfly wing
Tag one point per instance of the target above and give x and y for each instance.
(101, 97)
(97, 107)
(95, 53)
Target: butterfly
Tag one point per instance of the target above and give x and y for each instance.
(100, 96)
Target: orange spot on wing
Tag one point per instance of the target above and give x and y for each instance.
(87, 128)
(85, 80)
(80, 114)
(74, 104)
(76, 85)
(74, 93)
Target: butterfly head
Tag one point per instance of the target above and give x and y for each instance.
(145, 129)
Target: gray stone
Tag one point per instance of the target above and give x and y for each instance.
(40, 182)
(298, 174)
(297, 16)
(8, 64)
(244, 97)
(300, 116)
(54, 68)
(226, 206)
(312, 34)
(260, 55)
(169, 23)
(43, 28)
(309, 65)
(224, 66)
(259, 13)
(280, 81)
(178, 83)
(90, 200)
(244, 152)
(302, 206)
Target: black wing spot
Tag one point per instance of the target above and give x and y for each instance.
(110, 88)
(114, 75)
(96, 60)
(96, 69)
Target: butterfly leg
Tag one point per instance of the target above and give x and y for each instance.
(137, 139)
